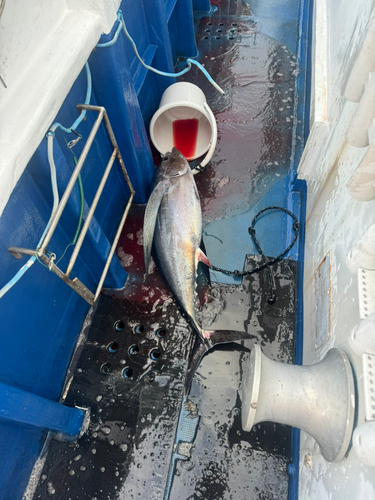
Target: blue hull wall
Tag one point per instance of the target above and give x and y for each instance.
(41, 317)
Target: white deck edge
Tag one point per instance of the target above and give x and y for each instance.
(43, 50)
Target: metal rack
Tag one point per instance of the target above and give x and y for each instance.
(41, 253)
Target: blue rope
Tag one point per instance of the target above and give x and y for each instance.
(189, 61)
(83, 112)
(118, 31)
(19, 275)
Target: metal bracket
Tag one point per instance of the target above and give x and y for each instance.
(75, 283)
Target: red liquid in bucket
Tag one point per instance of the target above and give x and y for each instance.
(185, 133)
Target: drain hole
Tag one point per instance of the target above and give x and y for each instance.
(106, 368)
(161, 332)
(208, 31)
(118, 326)
(209, 24)
(133, 350)
(155, 354)
(217, 37)
(234, 24)
(113, 347)
(205, 38)
(219, 31)
(231, 37)
(221, 24)
(139, 329)
(128, 372)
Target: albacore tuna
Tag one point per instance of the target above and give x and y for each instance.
(173, 228)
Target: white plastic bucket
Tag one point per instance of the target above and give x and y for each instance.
(184, 101)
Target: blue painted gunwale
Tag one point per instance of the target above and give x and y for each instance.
(41, 317)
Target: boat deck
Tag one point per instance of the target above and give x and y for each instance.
(130, 364)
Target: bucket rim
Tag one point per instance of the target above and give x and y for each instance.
(174, 104)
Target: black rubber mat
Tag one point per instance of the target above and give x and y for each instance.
(134, 400)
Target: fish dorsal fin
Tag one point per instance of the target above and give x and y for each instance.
(152, 209)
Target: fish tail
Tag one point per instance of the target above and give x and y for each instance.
(205, 341)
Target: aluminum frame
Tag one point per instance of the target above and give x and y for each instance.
(75, 283)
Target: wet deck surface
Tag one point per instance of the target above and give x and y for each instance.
(135, 400)
(126, 451)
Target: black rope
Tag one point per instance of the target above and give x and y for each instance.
(266, 263)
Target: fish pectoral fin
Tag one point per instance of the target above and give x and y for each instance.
(202, 257)
(152, 209)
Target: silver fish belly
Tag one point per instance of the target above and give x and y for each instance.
(177, 238)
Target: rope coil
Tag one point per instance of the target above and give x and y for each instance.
(267, 263)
